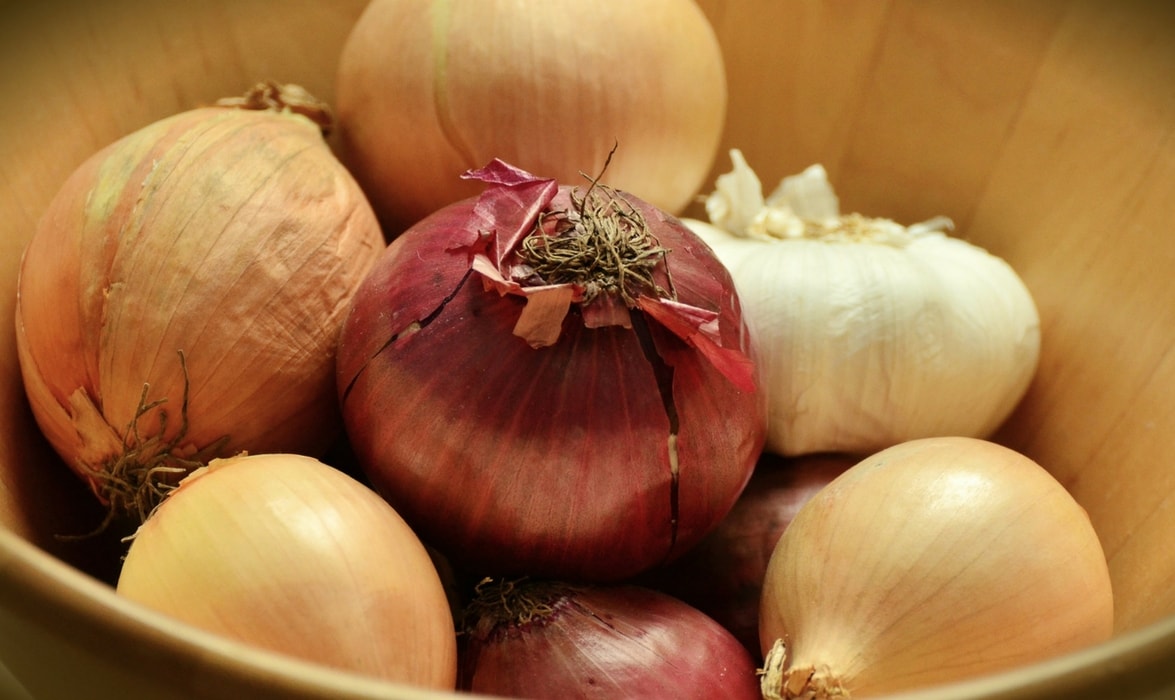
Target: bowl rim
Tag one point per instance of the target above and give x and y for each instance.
(45, 591)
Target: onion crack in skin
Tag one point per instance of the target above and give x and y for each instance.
(663, 373)
(605, 246)
(408, 330)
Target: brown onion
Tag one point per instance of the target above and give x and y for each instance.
(723, 574)
(542, 639)
(430, 88)
(182, 296)
(580, 428)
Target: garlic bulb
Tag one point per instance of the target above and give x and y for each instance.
(870, 333)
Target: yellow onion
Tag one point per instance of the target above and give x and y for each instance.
(291, 555)
(550, 639)
(428, 89)
(182, 296)
(553, 381)
(934, 560)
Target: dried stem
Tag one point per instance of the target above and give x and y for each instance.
(604, 245)
(278, 97)
(778, 681)
(511, 602)
(137, 480)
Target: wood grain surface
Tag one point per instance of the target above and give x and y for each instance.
(1044, 129)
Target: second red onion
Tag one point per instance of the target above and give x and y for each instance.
(541, 639)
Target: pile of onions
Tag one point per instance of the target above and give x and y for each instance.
(552, 381)
(544, 639)
(931, 561)
(293, 556)
(431, 88)
(722, 576)
(182, 296)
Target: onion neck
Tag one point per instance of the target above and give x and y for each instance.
(602, 244)
(498, 603)
(778, 681)
(283, 97)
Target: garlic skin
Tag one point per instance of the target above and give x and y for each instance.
(869, 333)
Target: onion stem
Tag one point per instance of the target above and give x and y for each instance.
(512, 602)
(604, 246)
(276, 97)
(140, 477)
(778, 682)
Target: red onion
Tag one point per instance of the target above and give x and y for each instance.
(723, 575)
(581, 426)
(535, 639)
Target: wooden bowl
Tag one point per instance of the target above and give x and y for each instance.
(1046, 130)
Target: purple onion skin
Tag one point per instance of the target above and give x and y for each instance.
(722, 576)
(553, 461)
(609, 642)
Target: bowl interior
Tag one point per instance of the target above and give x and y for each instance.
(1045, 130)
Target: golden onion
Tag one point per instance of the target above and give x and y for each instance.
(428, 89)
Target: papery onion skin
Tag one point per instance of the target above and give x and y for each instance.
(230, 236)
(603, 642)
(291, 555)
(722, 575)
(429, 89)
(551, 461)
(935, 560)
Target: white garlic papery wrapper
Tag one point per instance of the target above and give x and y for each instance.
(869, 333)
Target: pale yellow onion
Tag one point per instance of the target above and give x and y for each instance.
(232, 236)
(428, 89)
(294, 556)
(869, 333)
(934, 560)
